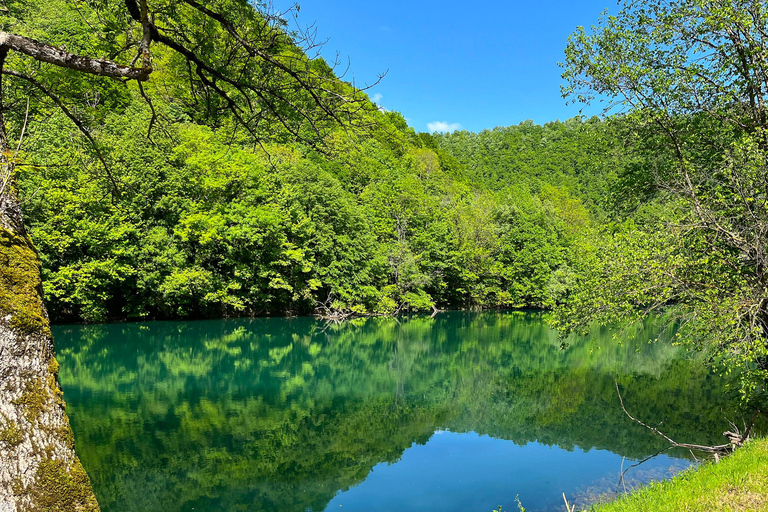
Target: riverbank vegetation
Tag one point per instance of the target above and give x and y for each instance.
(738, 483)
(389, 220)
(163, 206)
(156, 198)
(214, 230)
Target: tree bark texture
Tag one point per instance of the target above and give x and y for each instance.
(46, 53)
(39, 470)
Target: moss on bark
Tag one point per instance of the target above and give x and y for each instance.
(43, 472)
(20, 284)
(34, 401)
(10, 434)
(62, 487)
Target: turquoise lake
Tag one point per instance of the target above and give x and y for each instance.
(461, 412)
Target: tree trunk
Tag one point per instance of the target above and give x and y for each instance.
(39, 469)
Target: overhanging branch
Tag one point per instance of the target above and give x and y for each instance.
(52, 55)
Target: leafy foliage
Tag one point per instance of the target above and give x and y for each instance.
(204, 226)
(691, 76)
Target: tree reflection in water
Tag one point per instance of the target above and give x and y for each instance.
(282, 414)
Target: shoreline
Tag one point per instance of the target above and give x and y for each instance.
(738, 482)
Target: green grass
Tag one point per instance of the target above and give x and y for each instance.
(737, 483)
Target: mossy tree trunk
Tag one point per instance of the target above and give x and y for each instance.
(39, 469)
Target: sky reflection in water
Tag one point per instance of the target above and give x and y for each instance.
(461, 412)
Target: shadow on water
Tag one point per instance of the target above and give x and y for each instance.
(460, 412)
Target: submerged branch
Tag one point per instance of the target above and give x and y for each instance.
(736, 439)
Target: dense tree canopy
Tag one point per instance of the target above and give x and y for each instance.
(210, 228)
(175, 199)
(691, 77)
(237, 69)
(179, 159)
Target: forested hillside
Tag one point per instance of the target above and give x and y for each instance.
(169, 208)
(169, 211)
(175, 159)
(582, 156)
(386, 220)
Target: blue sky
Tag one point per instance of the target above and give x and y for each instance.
(468, 65)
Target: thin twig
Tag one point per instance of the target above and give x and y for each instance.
(23, 129)
(75, 120)
(724, 448)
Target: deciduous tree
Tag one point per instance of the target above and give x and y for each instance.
(691, 77)
(240, 65)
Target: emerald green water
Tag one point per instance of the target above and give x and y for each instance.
(462, 412)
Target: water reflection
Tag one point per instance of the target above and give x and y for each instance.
(294, 415)
(459, 472)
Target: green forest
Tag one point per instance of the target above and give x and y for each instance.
(153, 200)
(193, 219)
(179, 160)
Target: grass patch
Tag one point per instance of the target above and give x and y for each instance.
(738, 483)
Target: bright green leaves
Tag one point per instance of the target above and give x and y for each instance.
(204, 227)
(192, 220)
(692, 77)
(671, 58)
(200, 229)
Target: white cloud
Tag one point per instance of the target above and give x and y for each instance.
(376, 99)
(442, 126)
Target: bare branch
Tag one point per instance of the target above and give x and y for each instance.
(719, 449)
(52, 55)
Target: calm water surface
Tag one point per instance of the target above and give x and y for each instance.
(462, 412)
